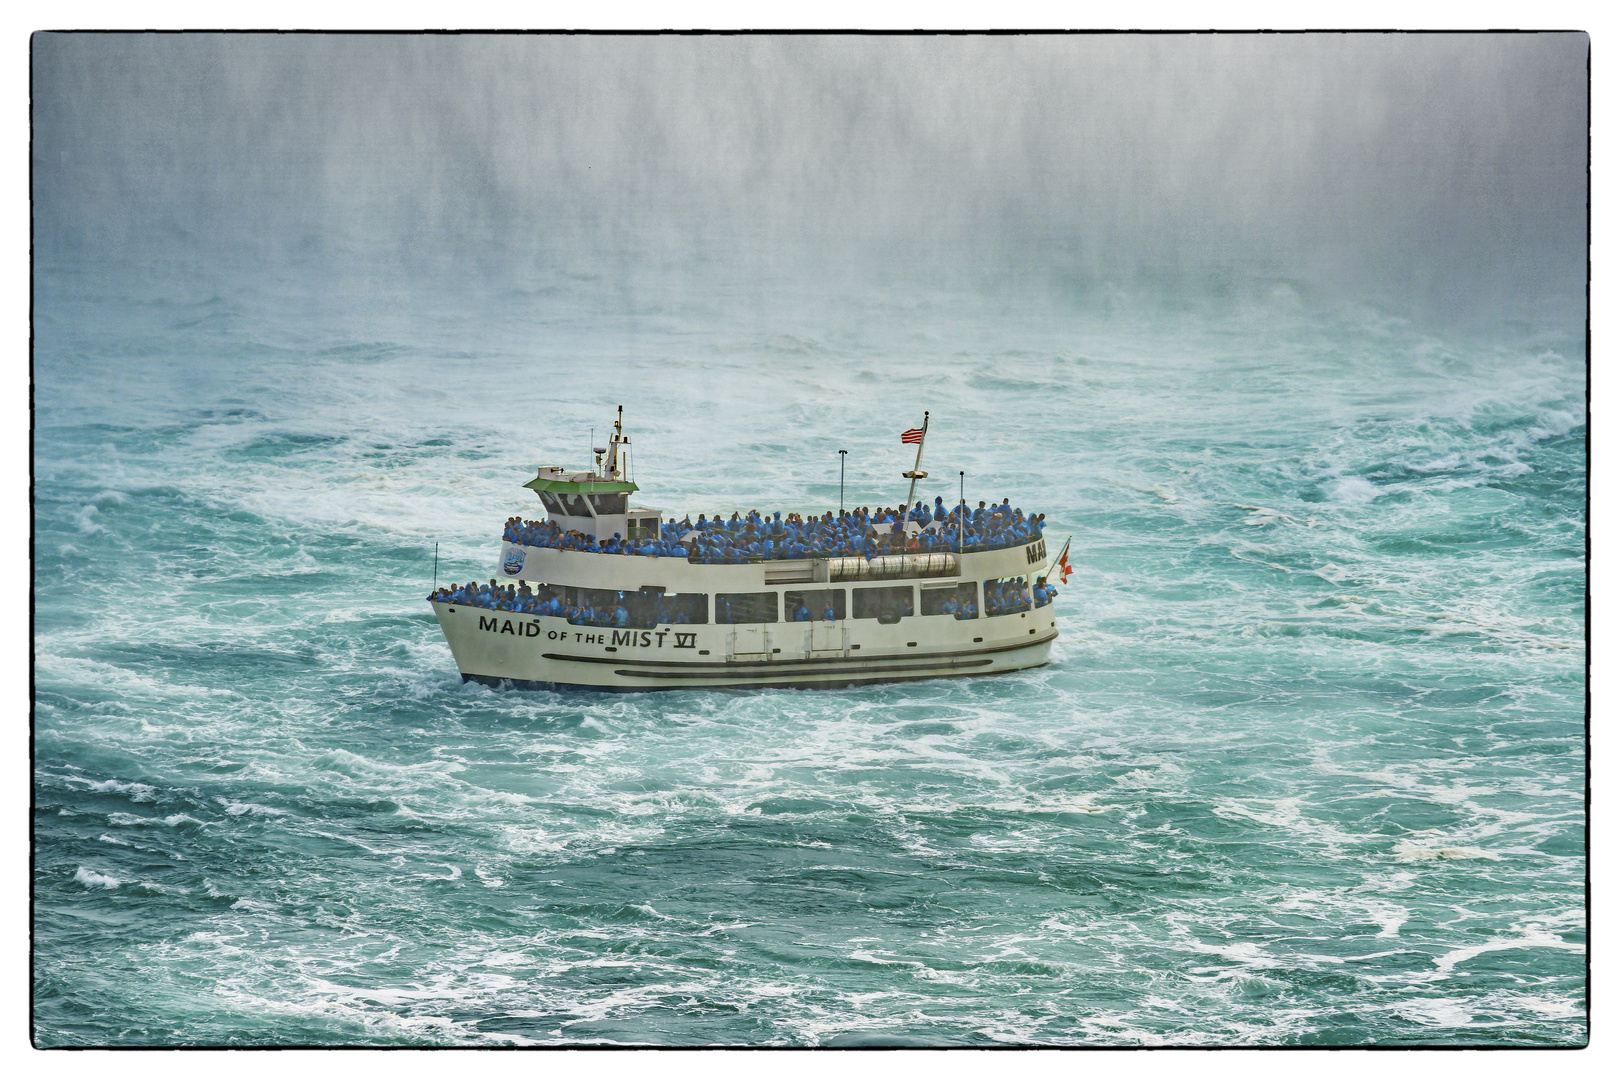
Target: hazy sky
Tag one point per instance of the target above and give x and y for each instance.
(1443, 170)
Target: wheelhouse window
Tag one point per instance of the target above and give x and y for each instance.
(887, 605)
(611, 503)
(746, 607)
(566, 503)
(813, 605)
(1004, 596)
(957, 600)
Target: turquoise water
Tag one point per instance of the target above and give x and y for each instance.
(1307, 766)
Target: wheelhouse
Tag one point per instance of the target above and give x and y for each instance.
(596, 502)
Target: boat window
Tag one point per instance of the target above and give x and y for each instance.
(553, 504)
(888, 605)
(643, 528)
(589, 607)
(611, 503)
(644, 608)
(957, 600)
(814, 603)
(1003, 596)
(745, 607)
(572, 505)
(654, 607)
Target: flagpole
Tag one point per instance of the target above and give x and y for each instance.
(1059, 560)
(915, 474)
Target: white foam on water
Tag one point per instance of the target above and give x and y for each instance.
(1353, 491)
(1531, 939)
(247, 904)
(137, 792)
(1407, 851)
(1284, 814)
(238, 809)
(1263, 515)
(172, 821)
(1437, 1012)
(131, 819)
(1556, 1008)
(90, 879)
(1391, 916)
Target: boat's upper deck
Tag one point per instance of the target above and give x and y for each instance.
(605, 571)
(754, 537)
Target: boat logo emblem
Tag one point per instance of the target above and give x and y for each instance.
(512, 561)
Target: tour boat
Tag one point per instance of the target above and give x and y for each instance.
(707, 613)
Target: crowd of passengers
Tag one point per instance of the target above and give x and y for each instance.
(614, 609)
(639, 610)
(752, 536)
(1001, 597)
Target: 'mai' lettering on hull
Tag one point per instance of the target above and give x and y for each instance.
(499, 625)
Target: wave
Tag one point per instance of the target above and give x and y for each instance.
(90, 879)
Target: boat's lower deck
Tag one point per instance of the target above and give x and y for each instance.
(535, 651)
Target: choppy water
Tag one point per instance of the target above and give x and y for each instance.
(1307, 767)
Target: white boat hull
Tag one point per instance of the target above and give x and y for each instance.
(542, 652)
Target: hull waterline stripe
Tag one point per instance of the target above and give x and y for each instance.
(497, 683)
(870, 669)
(722, 666)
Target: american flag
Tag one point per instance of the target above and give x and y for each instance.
(912, 436)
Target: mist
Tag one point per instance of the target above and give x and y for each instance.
(1439, 176)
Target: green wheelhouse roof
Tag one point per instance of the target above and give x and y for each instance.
(582, 487)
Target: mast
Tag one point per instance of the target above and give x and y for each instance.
(612, 472)
(915, 473)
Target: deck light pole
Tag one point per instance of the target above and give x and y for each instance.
(841, 454)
